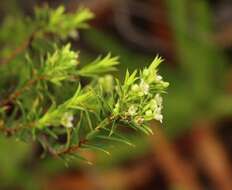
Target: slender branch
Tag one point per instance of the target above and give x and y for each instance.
(19, 92)
(55, 153)
(9, 131)
(72, 149)
(13, 130)
(25, 44)
(63, 151)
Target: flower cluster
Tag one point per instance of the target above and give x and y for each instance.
(141, 99)
(154, 108)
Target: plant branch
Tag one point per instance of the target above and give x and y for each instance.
(23, 46)
(19, 92)
(72, 149)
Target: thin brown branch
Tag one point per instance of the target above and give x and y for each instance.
(11, 131)
(11, 98)
(23, 46)
(72, 149)
(177, 171)
(63, 151)
(211, 155)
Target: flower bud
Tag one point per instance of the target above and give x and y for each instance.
(67, 120)
(132, 110)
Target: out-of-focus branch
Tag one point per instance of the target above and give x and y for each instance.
(177, 171)
(23, 46)
(17, 93)
(211, 156)
(224, 37)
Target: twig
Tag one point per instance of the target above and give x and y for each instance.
(178, 172)
(25, 44)
(211, 156)
(18, 93)
(60, 152)
(72, 149)
(9, 131)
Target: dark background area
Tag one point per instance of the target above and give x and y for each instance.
(193, 148)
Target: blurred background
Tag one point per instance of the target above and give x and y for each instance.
(192, 150)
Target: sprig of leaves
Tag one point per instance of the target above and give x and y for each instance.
(60, 65)
(99, 66)
(60, 23)
(90, 115)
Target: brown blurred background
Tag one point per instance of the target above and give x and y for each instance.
(192, 150)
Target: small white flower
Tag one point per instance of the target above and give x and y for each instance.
(158, 117)
(158, 109)
(132, 110)
(67, 120)
(144, 87)
(159, 99)
(159, 78)
(73, 34)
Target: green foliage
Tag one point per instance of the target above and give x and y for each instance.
(60, 65)
(61, 23)
(34, 108)
(99, 66)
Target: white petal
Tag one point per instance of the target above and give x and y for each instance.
(159, 117)
(159, 78)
